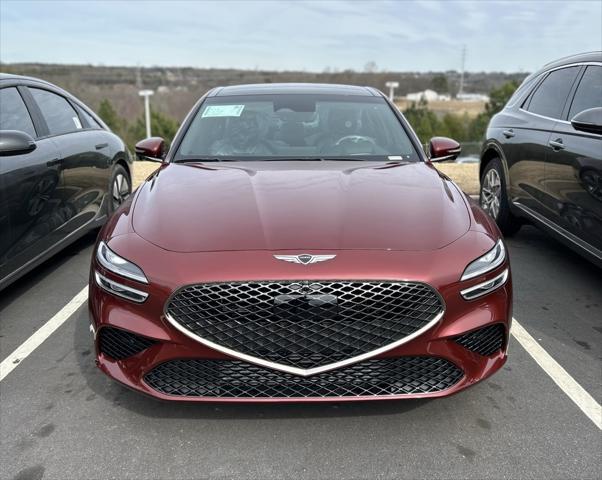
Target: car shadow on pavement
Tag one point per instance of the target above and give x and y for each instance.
(37, 276)
(120, 397)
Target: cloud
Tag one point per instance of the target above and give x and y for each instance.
(397, 35)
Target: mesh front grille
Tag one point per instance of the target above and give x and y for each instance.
(484, 341)
(119, 344)
(305, 324)
(237, 379)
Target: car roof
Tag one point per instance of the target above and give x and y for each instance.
(294, 88)
(579, 58)
(22, 78)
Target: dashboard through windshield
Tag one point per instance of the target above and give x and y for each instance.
(295, 126)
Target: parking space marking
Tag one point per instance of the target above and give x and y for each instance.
(42, 333)
(561, 377)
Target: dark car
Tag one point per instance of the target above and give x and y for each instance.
(542, 159)
(298, 245)
(62, 172)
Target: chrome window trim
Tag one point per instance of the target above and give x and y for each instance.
(546, 73)
(495, 283)
(303, 372)
(101, 280)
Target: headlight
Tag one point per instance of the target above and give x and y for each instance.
(118, 265)
(490, 261)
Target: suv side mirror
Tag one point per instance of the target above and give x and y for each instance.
(152, 149)
(589, 120)
(443, 148)
(15, 142)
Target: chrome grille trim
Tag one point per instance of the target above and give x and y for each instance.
(304, 372)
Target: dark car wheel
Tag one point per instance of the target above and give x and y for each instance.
(120, 187)
(494, 199)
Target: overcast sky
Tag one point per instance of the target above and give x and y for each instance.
(300, 35)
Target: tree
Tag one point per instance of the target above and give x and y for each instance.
(161, 126)
(498, 97)
(111, 118)
(439, 84)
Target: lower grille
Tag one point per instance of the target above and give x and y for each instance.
(484, 341)
(119, 344)
(237, 379)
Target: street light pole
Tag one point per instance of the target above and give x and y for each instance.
(392, 86)
(146, 94)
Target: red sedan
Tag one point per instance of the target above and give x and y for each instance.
(297, 244)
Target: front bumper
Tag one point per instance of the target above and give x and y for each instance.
(447, 358)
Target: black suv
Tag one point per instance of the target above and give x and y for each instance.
(542, 159)
(62, 172)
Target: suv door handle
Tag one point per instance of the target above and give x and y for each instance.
(101, 146)
(508, 133)
(556, 144)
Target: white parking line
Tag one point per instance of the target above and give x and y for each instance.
(568, 384)
(561, 377)
(33, 342)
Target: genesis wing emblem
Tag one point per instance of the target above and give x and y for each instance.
(304, 258)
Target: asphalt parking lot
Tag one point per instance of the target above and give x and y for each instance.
(61, 418)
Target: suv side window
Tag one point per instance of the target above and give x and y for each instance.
(589, 91)
(13, 112)
(549, 98)
(89, 119)
(59, 114)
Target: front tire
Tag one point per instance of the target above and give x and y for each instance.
(120, 187)
(493, 198)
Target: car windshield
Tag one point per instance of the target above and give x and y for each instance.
(295, 126)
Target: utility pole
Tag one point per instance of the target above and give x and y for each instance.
(392, 86)
(146, 94)
(461, 91)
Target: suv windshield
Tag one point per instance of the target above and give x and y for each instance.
(295, 126)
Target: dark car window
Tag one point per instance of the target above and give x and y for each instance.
(13, 112)
(58, 113)
(550, 97)
(300, 126)
(89, 119)
(589, 91)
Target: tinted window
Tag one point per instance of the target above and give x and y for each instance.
(550, 96)
(89, 119)
(13, 113)
(58, 113)
(300, 126)
(589, 92)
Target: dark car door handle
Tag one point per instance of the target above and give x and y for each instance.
(101, 145)
(556, 144)
(508, 133)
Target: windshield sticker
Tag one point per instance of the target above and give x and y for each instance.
(223, 111)
(395, 157)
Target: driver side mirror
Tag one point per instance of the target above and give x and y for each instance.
(589, 120)
(152, 149)
(14, 142)
(443, 148)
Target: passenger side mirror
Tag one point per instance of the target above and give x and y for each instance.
(443, 148)
(589, 120)
(14, 142)
(152, 149)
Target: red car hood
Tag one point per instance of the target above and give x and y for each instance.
(299, 206)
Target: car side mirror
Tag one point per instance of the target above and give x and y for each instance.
(589, 120)
(14, 142)
(152, 149)
(443, 148)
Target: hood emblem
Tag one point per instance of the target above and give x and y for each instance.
(304, 258)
